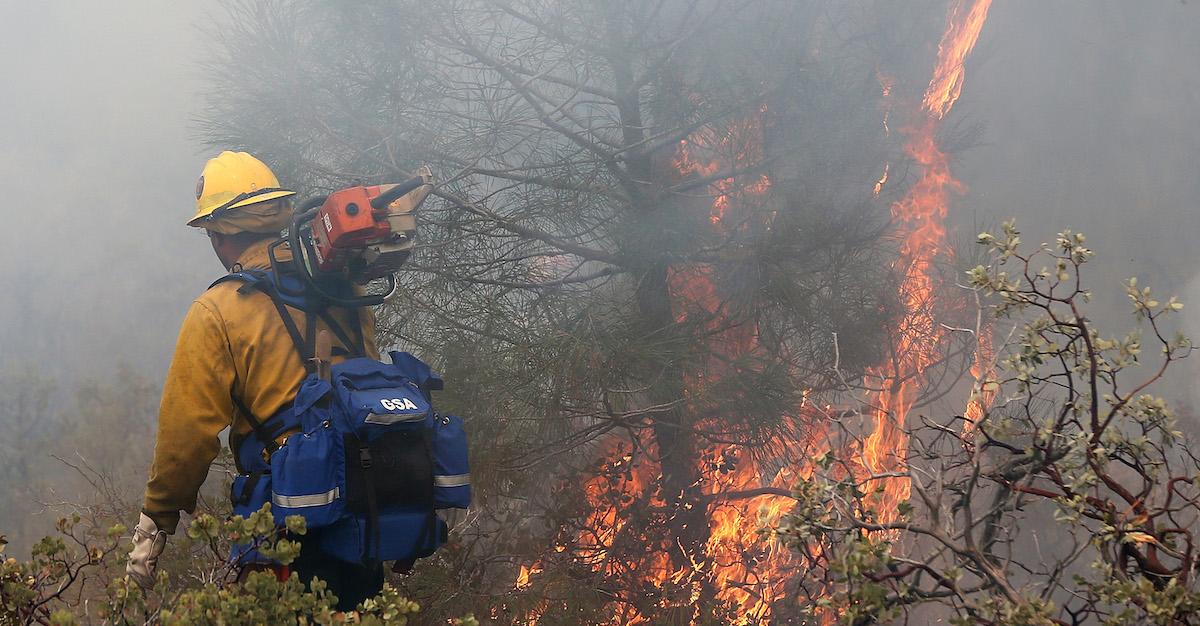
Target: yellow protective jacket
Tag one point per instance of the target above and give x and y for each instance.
(230, 344)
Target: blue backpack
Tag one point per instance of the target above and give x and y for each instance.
(370, 460)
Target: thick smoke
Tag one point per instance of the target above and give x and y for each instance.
(97, 167)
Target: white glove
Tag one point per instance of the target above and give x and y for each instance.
(148, 544)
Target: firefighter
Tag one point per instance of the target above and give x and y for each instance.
(233, 352)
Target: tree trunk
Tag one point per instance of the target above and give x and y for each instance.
(673, 435)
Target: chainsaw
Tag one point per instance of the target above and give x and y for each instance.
(354, 236)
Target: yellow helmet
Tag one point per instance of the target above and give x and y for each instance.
(230, 181)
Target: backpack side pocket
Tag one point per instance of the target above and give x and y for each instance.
(309, 477)
(451, 470)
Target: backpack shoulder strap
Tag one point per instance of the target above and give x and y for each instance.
(305, 344)
(261, 280)
(250, 277)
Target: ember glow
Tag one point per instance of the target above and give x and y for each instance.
(737, 148)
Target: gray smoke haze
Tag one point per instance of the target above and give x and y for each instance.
(1091, 113)
(97, 170)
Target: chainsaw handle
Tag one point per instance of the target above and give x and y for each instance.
(296, 242)
(278, 269)
(381, 201)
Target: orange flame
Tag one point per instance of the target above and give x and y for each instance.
(882, 179)
(984, 392)
(920, 216)
(960, 38)
(736, 149)
(523, 576)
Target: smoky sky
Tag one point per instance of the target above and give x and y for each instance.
(1090, 113)
(1091, 121)
(98, 166)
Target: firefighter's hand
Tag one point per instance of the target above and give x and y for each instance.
(148, 544)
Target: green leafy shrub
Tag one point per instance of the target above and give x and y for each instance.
(64, 582)
(1074, 499)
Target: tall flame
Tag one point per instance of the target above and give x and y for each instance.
(920, 217)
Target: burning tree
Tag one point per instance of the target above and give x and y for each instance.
(1073, 500)
(655, 245)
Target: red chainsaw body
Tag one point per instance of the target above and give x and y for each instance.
(346, 224)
